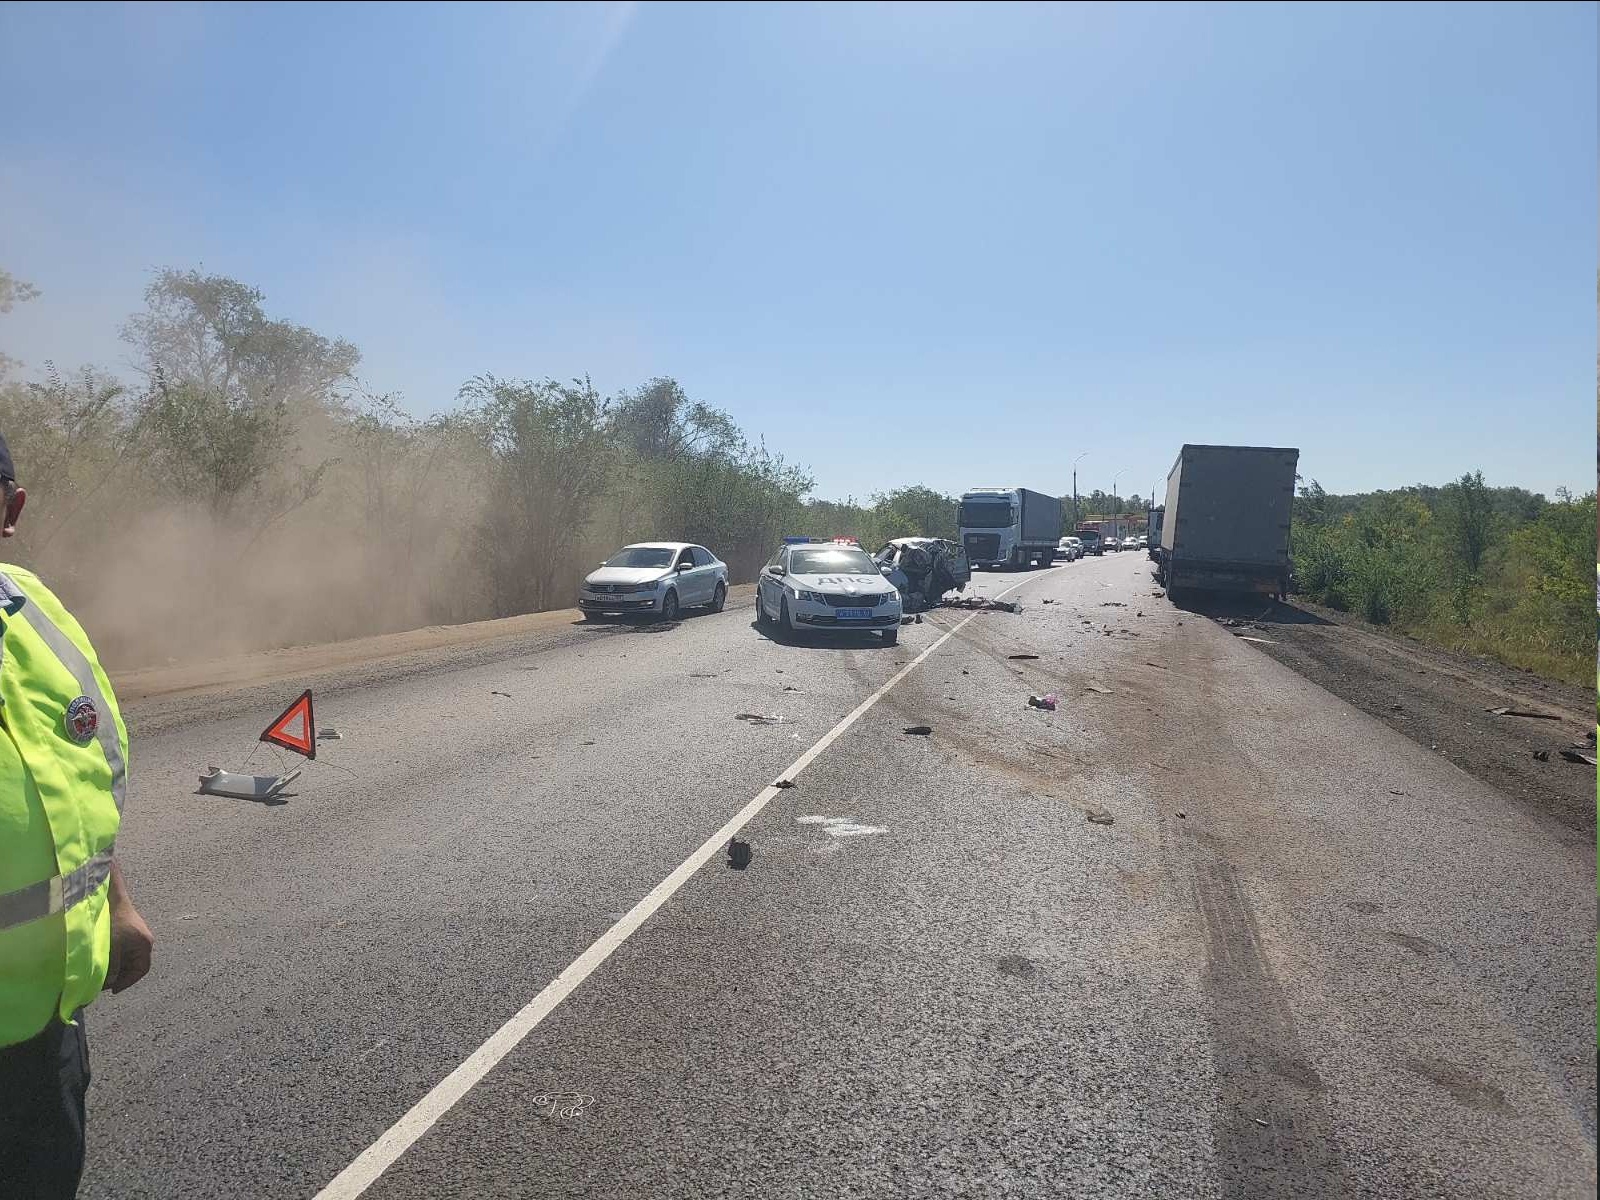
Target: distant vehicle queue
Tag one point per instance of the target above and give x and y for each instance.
(808, 584)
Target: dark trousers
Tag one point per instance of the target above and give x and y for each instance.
(42, 1085)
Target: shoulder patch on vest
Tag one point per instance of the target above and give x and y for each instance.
(82, 720)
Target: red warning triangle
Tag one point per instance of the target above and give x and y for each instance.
(295, 729)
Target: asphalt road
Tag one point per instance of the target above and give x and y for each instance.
(1307, 958)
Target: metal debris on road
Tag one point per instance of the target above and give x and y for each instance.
(1578, 756)
(1259, 1122)
(492, 692)
(982, 604)
(1048, 702)
(1257, 641)
(739, 854)
(758, 718)
(919, 730)
(329, 734)
(1156, 665)
(784, 783)
(1522, 712)
(217, 782)
(1099, 816)
(1020, 656)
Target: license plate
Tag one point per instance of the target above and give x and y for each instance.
(854, 614)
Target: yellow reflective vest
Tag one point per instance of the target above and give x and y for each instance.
(63, 777)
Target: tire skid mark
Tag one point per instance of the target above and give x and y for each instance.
(1273, 1132)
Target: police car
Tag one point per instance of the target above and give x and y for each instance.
(815, 584)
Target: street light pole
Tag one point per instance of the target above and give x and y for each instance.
(1075, 517)
(1116, 505)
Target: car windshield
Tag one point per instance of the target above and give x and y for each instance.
(985, 514)
(832, 560)
(642, 556)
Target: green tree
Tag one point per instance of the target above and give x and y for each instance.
(552, 458)
(13, 291)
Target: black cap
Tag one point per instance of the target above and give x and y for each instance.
(8, 473)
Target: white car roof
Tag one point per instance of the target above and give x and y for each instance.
(659, 545)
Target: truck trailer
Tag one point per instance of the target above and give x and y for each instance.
(1008, 527)
(1225, 525)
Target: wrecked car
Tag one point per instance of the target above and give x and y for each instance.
(924, 569)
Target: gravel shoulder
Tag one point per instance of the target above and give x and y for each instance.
(1441, 701)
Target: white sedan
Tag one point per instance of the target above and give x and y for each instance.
(657, 578)
(826, 585)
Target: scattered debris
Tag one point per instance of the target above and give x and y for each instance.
(1020, 656)
(1182, 815)
(1542, 755)
(1047, 601)
(1259, 1122)
(983, 604)
(1138, 614)
(758, 718)
(1048, 702)
(1112, 604)
(1578, 756)
(739, 854)
(789, 687)
(784, 783)
(1523, 712)
(329, 734)
(217, 782)
(906, 620)
(1257, 641)
(702, 674)
(1397, 791)
(492, 692)
(919, 730)
(919, 618)
(1098, 687)
(1099, 816)
(1156, 665)
(589, 743)
(1396, 708)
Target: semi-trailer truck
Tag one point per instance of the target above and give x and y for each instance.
(1225, 525)
(1008, 527)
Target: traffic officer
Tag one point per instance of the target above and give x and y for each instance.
(67, 926)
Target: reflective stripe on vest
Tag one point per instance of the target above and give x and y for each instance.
(54, 895)
(72, 658)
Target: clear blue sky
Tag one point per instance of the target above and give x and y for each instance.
(947, 244)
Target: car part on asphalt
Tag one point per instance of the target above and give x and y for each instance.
(1048, 702)
(919, 730)
(1099, 816)
(739, 854)
(982, 604)
(217, 782)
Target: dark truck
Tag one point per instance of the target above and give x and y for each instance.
(1225, 525)
(1153, 532)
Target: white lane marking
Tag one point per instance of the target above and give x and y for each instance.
(377, 1158)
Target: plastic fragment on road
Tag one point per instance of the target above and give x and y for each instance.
(1257, 641)
(919, 730)
(840, 826)
(1578, 756)
(1022, 656)
(1522, 712)
(294, 727)
(758, 718)
(1099, 816)
(784, 783)
(1047, 702)
(217, 782)
(739, 854)
(329, 734)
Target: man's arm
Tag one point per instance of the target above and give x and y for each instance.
(131, 940)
